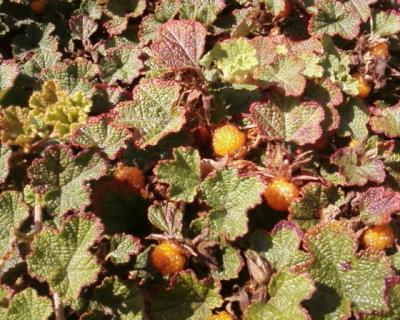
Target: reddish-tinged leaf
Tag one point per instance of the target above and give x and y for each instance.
(179, 44)
(386, 121)
(357, 170)
(376, 204)
(288, 120)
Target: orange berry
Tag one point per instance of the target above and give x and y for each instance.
(132, 176)
(38, 6)
(221, 316)
(227, 140)
(167, 258)
(364, 88)
(280, 192)
(380, 50)
(378, 237)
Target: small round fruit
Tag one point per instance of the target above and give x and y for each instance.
(364, 88)
(167, 258)
(221, 316)
(380, 50)
(378, 237)
(132, 176)
(227, 140)
(38, 6)
(280, 192)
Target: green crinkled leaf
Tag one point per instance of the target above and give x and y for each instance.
(119, 11)
(154, 111)
(336, 64)
(392, 166)
(13, 211)
(120, 298)
(357, 170)
(286, 72)
(73, 76)
(61, 257)
(395, 258)
(5, 156)
(204, 11)
(275, 6)
(376, 204)
(345, 281)
(166, 9)
(386, 23)
(122, 247)
(386, 121)
(182, 174)
(179, 44)
(232, 264)
(362, 8)
(288, 119)
(27, 305)
(281, 247)
(230, 197)
(41, 60)
(121, 63)
(306, 210)
(235, 58)
(287, 290)
(313, 68)
(101, 134)
(61, 177)
(167, 217)
(186, 299)
(334, 18)
(353, 119)
(393, 294)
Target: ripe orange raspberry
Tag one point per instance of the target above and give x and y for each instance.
(221, 316)
(227, 140)
(378, 237)
(37, 6)
(380, 50)
(132, 176)
(364, 88)
(167, 258)
(280, 192)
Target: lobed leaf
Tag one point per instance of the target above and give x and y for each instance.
(287, 290)
(230, 197)
(386, 121)
(167, 217)
(187, 298)
(61, 177)
(288, 119)
(182, 174)
(27, 305)
(386, 23)
(376, 204)
(179, 44)
(61, 257)
(122, 247)
(154, 111)
(101, 134)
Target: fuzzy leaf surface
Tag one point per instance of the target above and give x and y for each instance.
(357, 170)
(204, 11)
(5, 156)
(61, 177)
(182, 174)
(154, 111)
(230, 197)
(387, 121)
(286, 290)
(187, 299)
(281, 247)
(289, 120)
(99, 133)
(27, 305)
(13, 211)
(62, 258)
(345, 280)
(122, 247)
(334, 18)
(376, 204)
(179, 44)
(386, 23)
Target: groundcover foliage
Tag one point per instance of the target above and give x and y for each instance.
(189, 159)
